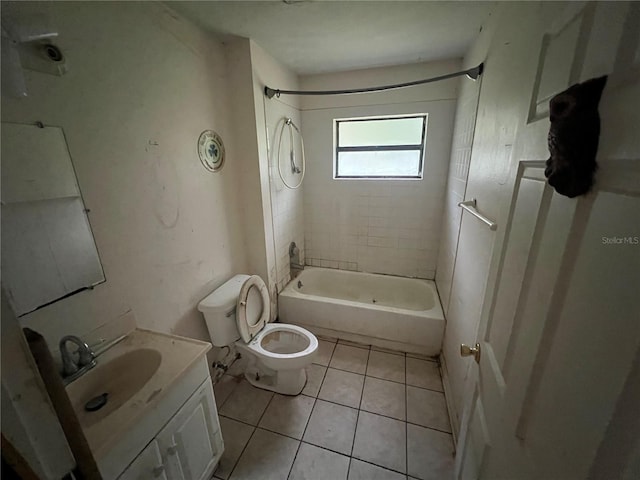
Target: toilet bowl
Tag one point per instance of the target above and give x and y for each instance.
(238, 313)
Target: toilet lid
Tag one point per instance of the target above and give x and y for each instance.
(253, 308)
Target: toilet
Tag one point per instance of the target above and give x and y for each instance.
(238, 312)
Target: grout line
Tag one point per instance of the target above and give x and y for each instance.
(355, 430)
(340, 405)
(304, 430)
(353, 344)
(252, 433)
(243, 448)
(385, 379)
(314, 445)
(359, 409)
(230, 393)
(351, 457)
(425, 388)
(406, 416)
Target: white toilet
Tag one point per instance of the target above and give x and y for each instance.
(238, 312)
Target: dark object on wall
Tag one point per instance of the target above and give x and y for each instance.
(573, 137)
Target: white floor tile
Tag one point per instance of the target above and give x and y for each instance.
(382, 441)
(352, 359)
(429, 453)
(325, 350)
(427, 408)
(314, 463)
(331, 426)
(223, 388)
(315, 376)
(287, 415)
(341, 387)
(387, 366)
(360, 470)
(268, 456)
(425, 374)
(384, 397)
(235, 435)
(246, 403)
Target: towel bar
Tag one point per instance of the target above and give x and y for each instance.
(470, 206)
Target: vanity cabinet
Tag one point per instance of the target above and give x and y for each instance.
(188, 447)
(191, 443)
(146, 465)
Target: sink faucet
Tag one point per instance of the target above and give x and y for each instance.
(86, 359)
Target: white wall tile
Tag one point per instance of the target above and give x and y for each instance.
(384, 226)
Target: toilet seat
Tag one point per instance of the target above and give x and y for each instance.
(295, 359)
(252, 313)
(304, 336)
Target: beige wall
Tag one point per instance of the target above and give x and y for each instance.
(272, 214)
(287, 215)
(142, 85)
(380, 226)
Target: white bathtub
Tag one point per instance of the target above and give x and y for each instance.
(391, 312)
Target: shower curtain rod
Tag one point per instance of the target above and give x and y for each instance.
(472, 73)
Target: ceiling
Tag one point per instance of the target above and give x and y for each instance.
(327, 36)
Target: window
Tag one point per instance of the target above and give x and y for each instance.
(380, 147)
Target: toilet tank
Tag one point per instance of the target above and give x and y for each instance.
(219, 310)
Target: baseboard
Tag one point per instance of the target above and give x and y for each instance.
(367, 340)
(448, 395)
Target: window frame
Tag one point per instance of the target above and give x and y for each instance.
(421, 147)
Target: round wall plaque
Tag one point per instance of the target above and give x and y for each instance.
(211, 150)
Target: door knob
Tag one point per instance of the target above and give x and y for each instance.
(467, 351)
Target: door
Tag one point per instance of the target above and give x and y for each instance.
(191, 443)
(560, 326)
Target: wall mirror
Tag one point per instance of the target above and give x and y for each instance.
(48, 250)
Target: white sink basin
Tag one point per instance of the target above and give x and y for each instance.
(120, 378)
(136, 373)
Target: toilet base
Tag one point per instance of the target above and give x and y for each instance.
(285, 382)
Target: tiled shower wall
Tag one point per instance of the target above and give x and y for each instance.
(378, 226)
(286, 204)
(456, 185)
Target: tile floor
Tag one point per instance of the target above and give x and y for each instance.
(365, 414)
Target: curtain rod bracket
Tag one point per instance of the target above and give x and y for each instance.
(270, 92)
(472, 73)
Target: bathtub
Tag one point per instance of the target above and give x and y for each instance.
(391, 312)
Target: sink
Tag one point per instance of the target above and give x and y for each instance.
(139, 374)
(121, 378)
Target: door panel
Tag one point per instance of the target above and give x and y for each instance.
(519, 238)
(474, 441)
(147, 465)
(191, 443)
(195, 448)
(559, 330)
(594, 341)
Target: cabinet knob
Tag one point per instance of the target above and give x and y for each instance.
(172, 449)
(157, 471)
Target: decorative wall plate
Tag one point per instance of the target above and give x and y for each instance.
(211, 150)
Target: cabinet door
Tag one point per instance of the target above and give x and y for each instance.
(191, 443)
(146, 466)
